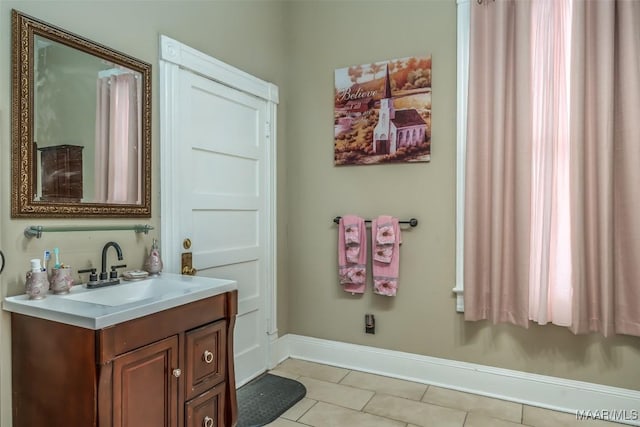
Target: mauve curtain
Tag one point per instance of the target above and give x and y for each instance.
(605, 162)
(530, 200)
(118, 140)
(498, 158)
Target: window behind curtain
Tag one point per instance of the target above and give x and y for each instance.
(550, 291)
(548, 154)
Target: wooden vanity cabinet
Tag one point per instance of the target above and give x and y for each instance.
(173, 368)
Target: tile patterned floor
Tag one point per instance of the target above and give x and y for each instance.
(338, 397)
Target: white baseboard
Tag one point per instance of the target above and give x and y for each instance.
(532, 389)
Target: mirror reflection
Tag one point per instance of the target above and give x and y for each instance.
(81, 126)
(87, 136)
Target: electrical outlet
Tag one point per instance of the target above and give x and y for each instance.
(369, 324)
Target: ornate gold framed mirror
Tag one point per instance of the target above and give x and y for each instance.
(81, 126)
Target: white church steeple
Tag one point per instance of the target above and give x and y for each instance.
(386, 102)
(383, 132)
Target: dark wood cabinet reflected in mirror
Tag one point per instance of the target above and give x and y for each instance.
(81, 126)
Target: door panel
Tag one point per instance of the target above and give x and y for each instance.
(247, 277)
(225, 229)
(247, 349)
(240, 174)
(214, 109)
(250, 322)
(224, 165)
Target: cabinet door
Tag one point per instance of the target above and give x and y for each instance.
(206, 355)
(145, 386)
(206, 410)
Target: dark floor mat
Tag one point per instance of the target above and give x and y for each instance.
(264, 399)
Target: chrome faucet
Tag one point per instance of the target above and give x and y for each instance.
(103, 272)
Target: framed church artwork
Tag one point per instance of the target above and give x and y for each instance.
(382, 112)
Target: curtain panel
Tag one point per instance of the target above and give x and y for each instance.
(118, 177)
(517, 166)
(605, 172)
(497, 185)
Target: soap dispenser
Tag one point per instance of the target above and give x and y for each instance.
(153, 264)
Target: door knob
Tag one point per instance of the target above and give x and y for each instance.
(177, 372)
(207, 422)
(187, 264)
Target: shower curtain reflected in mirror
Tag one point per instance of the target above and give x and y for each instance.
(118, 138)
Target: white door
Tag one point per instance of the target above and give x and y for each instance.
(222, 181)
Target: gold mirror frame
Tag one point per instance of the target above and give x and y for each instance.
(24, 30)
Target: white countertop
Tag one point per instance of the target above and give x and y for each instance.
(103, 307)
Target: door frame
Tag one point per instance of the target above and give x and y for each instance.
(175, 56)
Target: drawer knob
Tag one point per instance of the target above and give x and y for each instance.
(177, 372)
(207, 422)
(207, 356)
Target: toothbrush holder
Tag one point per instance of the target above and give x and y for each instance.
(61, 280)
(36, 284)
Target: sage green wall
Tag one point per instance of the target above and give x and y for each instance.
(249, 35)
(297, 45)
(422, 318)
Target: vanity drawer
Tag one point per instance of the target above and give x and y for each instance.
(205, 359)
(206, 410)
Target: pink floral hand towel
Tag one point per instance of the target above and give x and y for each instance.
(352, 239)
(385, 234)
(352, 254)
(352, 233)
(386, 238)
(383, 253)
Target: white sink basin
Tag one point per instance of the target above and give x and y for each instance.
(128, 292)
(103, 307)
